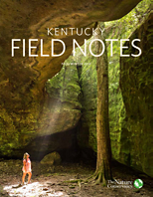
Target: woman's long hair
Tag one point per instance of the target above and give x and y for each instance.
(25, 156)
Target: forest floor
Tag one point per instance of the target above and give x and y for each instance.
(58, 181)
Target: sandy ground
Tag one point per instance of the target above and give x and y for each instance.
(58, 181)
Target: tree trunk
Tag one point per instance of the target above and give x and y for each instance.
(103, 168)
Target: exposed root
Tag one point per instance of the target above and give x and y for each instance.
(89, 179)
(97, 178)
(79, 183)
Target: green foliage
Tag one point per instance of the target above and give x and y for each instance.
(123, 27)
(65, 86)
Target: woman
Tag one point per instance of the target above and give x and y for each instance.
(26, 167)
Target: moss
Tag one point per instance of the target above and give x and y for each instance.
(137, 97)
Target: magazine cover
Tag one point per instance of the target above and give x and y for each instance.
(76, 98)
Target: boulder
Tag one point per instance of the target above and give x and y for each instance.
(53, 158)
(136, 79)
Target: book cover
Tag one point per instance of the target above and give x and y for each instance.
(76, 98)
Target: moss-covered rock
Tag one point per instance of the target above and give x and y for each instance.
(53, 158)
(61, 112)
(136, 79)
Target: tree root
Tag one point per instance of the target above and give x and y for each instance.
(89, 179)
(79, 184)
(97, 178)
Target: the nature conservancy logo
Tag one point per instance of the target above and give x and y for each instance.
(119, 184)
(138, 183)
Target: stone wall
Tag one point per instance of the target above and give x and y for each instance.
(136, 79)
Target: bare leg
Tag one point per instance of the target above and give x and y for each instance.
(29, 178)
(23, 177)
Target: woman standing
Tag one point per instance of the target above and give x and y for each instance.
(26, 167)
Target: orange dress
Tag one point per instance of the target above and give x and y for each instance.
(28, 165)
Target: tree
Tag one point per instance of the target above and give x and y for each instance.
(103, 168)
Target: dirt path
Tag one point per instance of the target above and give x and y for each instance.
(53, 181)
